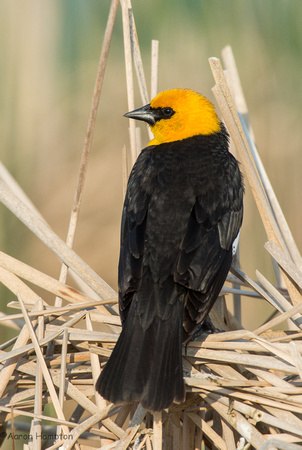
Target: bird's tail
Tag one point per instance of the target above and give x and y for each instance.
(146, 364)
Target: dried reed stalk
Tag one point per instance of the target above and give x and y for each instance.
(231, 118)
(129, 76)
(154, 68)
(88, 139)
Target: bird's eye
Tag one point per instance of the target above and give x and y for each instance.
(168, 112)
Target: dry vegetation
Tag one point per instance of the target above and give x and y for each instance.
(244, 388)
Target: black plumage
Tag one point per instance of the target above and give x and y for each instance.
(182, 211)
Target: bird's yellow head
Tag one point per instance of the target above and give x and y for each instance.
(178, 114)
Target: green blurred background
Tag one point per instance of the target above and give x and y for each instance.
(49, 57)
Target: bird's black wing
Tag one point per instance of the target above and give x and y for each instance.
(206, 250)
(146, 362)
(133, 227)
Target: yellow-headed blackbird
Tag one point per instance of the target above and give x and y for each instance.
(183, 209)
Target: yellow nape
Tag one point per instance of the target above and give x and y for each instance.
(154, 141)
(194, 115)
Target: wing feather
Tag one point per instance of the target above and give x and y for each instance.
(133, 228)
(205, 254)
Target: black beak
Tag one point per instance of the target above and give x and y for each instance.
(145, 113)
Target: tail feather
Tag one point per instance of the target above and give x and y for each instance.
(146, 364)
(165, 384)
